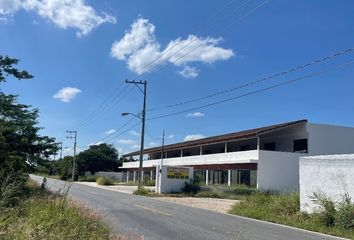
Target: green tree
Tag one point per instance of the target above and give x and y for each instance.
(103, 157)
(21, 146)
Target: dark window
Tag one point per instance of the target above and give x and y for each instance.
(207, 152)
(269, 146)
(222, 150)
(300, 146)
(245, 147)
(186, 154)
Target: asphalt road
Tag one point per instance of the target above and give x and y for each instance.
(155, 219)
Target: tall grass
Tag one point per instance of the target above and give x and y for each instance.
(44, 215)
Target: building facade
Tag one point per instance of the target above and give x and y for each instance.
(265, 157)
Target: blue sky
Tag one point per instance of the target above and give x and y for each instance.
(81, 51)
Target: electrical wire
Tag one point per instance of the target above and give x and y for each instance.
(257, 81)
(253, 92)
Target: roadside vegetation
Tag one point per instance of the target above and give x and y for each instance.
(104, 181)
(44, 215)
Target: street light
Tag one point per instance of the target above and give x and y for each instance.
(141, 146)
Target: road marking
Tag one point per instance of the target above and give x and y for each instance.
(153, 210)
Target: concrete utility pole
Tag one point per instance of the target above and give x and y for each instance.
(161, 164)
(140, 175)
(61, 150)
(73, 135)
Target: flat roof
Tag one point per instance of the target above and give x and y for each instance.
(251, 133)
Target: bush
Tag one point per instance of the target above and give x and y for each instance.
(328, 209)
(12, 187)
(191, 187)
(148, 182)
(92, 178)
(141, 191)
(345, 213)
(104, 181)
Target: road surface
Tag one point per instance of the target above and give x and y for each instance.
(155, 219)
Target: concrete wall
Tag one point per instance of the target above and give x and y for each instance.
(332, 175)
(116, 175)
(167, 185)
(219, 158)
(278, 171)
(328, 139)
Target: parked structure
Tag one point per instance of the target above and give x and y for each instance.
(331, 176)
(265, 157)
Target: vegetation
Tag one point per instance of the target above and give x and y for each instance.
(92, 178)
(104, 181)
(285, 209)
(141, 191)
(21, 146)
(43, 215)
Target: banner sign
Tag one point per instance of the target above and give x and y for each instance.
(177, 173)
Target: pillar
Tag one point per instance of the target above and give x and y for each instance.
(127, 176)
(151, 175)
(181, 152)
(206, 177)
(229, 177)
(258, 143)
(201, 151)
(225, 147)
(134, 176)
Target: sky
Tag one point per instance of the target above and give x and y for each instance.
(81, 52)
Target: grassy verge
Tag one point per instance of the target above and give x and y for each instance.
(284, 209)
(43, 215)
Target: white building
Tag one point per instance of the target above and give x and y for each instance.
(266, 157)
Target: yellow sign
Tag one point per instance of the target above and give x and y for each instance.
(177, 173)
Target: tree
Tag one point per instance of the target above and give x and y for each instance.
(103, 157)
(21, 146)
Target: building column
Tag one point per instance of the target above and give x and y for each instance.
(127, 176)
(225, 147)
(151, 175)
(181, 152)
(206, 177)
(229, 177)
(134, 176)
(258, 143)
(201, 150)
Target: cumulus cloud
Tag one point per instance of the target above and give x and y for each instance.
(126, 141)
(189, 72)
(67, 94)
(110, 131)
(95, 144)
(142, 52)
(193, 137)
(63, 13)
(196, 114)
(134, 133)
(135, 146)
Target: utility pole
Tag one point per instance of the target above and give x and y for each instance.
(73, 135)
(61, 150)
(137, 83)
(161, 163)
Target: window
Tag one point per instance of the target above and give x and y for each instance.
(245, 147)
(300, 145)
(186, 154)
(207, 151)
(269, 146)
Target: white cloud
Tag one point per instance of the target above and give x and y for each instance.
(134, 133)
(126, 141)
(189, 72)
(63, 13)
(171, 136)
(139, 48)
(110, 131)
(196, 114)
(193, 137)
(95, 144)
(135, 146)
(67, 94)
(153, 144)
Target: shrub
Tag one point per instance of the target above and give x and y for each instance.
(240, 190)
(328, 209)
(12, 187)
(345, 213)
(104, 181)
(141, 191)
(92, 178)
(191, 187)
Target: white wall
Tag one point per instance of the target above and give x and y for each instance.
(278, 171)
(167, 185)
(219, 158)
(328, 139)
(332, 175)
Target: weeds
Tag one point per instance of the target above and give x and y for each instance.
(104, 181)
(141, 191)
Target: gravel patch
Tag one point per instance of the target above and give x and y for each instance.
(212, 204)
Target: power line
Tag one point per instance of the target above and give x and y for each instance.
(124, 131)
(257, 81)
(117, 130)
(253, 92)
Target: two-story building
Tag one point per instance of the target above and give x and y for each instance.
(266, 157)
